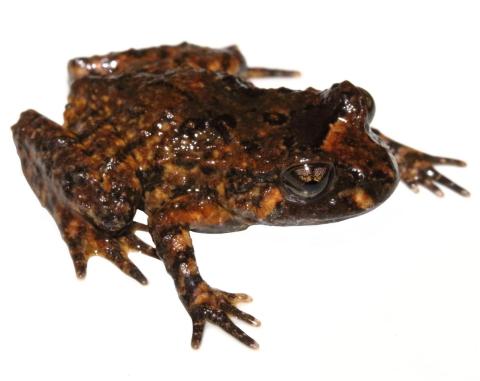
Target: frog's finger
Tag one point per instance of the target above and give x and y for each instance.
(447, 161)
(197, 332)
(136, 243)
(139, 226)
(412, 185)
(79, 263)
(122, 261)
(445, 181)
(236, 298)
(223, 321)
(133, 271)
(429, 184)
(247, 318)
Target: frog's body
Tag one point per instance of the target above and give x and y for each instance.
(179, 133)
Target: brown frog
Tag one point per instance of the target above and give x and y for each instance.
(180, 133)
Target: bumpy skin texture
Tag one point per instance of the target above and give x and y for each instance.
(178, 132)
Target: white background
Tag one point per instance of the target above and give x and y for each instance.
(392, 295)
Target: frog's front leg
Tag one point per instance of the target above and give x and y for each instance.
(417, 168)
(93, 209)
(170, 231)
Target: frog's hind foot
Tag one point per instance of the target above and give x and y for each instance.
(85, 241)
(417, 168)
(261, 72)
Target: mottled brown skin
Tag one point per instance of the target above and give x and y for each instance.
(178, 132)
(163, 58)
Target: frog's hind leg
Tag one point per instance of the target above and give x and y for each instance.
(417, 168)
(162, 58)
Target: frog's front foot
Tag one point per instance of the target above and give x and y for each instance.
(84, 241)
(417, 168)
(215, 306)
(170, 229)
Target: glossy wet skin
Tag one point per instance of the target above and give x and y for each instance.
(180, 133)
(200, 125)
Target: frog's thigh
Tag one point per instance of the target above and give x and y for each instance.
(158, 59)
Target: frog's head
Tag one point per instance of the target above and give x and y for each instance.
(340, 167)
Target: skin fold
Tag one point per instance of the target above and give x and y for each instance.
(180, 133)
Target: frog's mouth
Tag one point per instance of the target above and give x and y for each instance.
(332, 207)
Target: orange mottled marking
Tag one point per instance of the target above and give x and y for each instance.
(334, 136)
(271, 199)
(181, 241)
(361, 198)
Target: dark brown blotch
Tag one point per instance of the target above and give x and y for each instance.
(275, 118)
(150, 178)
(222, 124)
(251, 146)
(312, 124)
(207, 169)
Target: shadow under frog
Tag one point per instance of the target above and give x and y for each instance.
(180, 133)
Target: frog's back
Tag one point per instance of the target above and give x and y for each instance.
(182, 116)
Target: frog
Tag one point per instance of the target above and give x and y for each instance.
(182, 134)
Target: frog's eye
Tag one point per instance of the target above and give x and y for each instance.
(307, 180)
